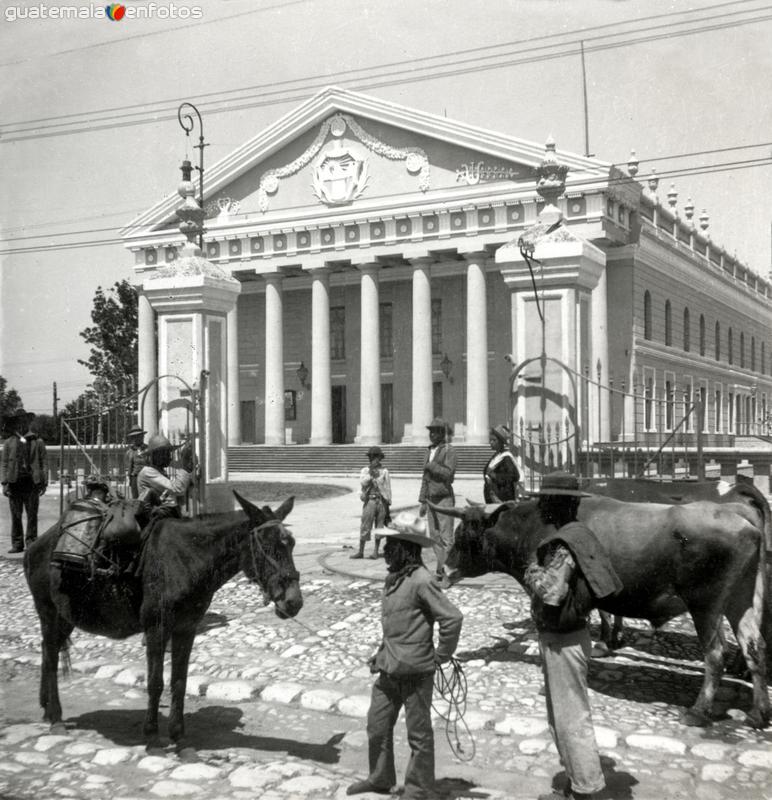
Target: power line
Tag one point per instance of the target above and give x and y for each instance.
(154, 33)
(676, 173)
(454, 55)
(406, 74)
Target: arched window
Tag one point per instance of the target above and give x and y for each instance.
(646, 315)
(668, 324)
(730, 347)
(687, 331)
(742, 349)
(702, 334)
(718, 341)
(753, 353)
(762, 359)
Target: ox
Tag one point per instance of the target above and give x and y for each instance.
(703, 557)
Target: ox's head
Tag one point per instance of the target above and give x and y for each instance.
(475, 549)
(268, 560)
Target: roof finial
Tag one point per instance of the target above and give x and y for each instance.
(632, 164)
(190, 213)
(704, 220)
(689, 210)
(653, 182)
(672, 197)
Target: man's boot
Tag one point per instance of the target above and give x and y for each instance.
(361, 552)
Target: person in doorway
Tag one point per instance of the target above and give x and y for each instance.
(571, 568)
(501, 474)
(24, 477)
(406, 660)
(437, 488)
(154, 483)
(376, 499)
(135, 457)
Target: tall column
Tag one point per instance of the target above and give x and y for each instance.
(147, 369)
(422, 349)
(321, 390)
(232, 379)
(274, 360)
(370, 357)
(476, 350)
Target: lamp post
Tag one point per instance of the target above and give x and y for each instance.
(99, 387)
(187, 123)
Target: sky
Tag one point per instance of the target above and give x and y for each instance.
(89, 136)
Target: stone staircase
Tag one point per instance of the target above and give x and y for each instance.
(345, 459)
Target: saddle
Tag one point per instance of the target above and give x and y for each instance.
(99, 538)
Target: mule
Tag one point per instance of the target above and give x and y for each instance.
(183, 563)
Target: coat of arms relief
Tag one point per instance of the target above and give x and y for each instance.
(340, 172)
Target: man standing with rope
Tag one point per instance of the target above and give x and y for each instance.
(406, 661)
(571, 568)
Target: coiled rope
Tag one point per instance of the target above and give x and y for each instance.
(450, 684)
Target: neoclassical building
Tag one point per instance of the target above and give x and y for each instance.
(366, 267)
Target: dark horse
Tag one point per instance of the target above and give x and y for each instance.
(183, 563)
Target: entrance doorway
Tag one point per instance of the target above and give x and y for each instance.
(338, 414)
(387, 413)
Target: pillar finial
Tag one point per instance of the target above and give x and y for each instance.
(689, 211)
(704, 220)
(550, 182)
(653, 182)
(672, 197)
(190, 213)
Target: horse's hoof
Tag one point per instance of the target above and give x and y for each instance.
(695, 719)
(58, 729)
(187, 754)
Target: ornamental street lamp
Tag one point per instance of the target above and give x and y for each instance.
(187, 123)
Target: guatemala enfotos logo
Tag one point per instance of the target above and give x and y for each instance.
(115, 11)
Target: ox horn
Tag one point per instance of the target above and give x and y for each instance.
(449, 511)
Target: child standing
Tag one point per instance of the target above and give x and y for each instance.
(376, 499)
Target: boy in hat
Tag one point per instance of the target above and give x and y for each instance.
(571, 569)
(135, 457)
(24, 477)
(437, 487)
(376, 499)
(154, 478)
(406, 660)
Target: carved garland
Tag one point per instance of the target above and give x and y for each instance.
(416, 160)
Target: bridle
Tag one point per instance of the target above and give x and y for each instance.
(283, 576)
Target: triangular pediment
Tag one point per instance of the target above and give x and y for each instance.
(341, 150)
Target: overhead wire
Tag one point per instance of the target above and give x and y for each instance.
(406, 74)
(453, 55)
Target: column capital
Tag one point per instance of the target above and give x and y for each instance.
(368, 266)
(475, 256)
(273, 278)
(422, 262)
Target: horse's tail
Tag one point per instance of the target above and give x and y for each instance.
(65, 663)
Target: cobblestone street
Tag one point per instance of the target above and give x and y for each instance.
(276, 708)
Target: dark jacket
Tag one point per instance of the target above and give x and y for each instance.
(439, 472)
(16, 453)
(501, 476)
(593, 578)
(409, 609)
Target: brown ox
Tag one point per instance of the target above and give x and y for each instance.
(703, 557)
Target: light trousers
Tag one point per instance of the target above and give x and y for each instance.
(565, 659)
(440, 528)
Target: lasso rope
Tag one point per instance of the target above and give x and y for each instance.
(452, 688)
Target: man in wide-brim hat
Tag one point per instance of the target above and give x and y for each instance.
(135, 457)
(572, 569)
(154, 481)
(406, 660)
(437, 487)
(24, 477)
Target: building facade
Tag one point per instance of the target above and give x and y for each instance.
(366, 267)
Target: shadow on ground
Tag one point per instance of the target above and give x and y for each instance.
(210, 728)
